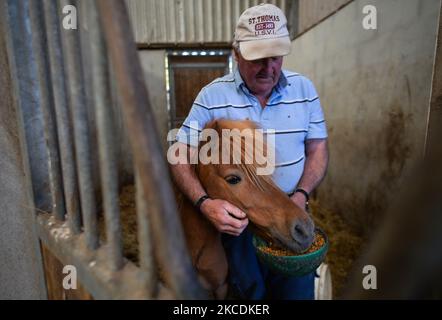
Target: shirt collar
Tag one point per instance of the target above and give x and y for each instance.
(238, 79)
(282, 83)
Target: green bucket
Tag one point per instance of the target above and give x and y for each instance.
(298, 265)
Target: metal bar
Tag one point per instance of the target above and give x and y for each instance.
(208, 9)
(182, 21)
(64, 126)
(47, 105)
(106, 127)
(92, 266)
(78, 108)
(26, 91)
(172, 31)
(84, 31)
(17, 63)
(172, 96)
(146, 254)
(171, 249)
(226, 20)
(434, 118)
(217, 23)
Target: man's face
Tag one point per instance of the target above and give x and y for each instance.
(260, 75)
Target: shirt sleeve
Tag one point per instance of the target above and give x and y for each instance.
(196, 120)
(317, 128)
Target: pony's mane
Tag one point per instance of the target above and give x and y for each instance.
(250, 160)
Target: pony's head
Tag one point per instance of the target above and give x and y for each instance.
(270, 211)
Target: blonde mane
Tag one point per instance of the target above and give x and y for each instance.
(250, 158)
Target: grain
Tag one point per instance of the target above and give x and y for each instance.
(278, 251)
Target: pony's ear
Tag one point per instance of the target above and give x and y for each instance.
(211, 125)
(216, 125)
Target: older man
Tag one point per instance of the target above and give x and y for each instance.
(284, 101)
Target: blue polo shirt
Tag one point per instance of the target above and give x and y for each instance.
(293, 111)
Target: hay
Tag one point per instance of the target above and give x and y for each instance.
(345, 245)
(128, 217)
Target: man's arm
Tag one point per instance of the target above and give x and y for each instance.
(222, 214)
(185, 177)
(315, 168)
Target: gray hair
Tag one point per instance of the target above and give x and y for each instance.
(235, 45)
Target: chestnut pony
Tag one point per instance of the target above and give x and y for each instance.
(270, 212)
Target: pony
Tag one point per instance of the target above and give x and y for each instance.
(271, 213)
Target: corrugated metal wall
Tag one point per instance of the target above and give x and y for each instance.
(311, 12)
(190, 22)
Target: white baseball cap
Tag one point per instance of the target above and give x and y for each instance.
(261, 32)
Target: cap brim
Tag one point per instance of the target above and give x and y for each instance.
(265, 48)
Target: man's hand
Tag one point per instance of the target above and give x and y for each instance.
(224, 216)
(300, 200)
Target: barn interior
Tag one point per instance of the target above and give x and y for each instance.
(88, 186)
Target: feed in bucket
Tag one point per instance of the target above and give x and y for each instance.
(288, 263)
(272, 249)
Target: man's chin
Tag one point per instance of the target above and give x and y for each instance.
(264, 87)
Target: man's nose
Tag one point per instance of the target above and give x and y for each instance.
(266, 64)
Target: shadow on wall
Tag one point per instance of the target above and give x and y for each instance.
(405, 250)
(395, 150)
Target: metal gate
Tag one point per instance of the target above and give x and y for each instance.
(64, 80)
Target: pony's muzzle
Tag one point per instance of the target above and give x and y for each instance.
(303, 232)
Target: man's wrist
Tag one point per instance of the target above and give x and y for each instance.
(305, 195)
(304, 192)
(198, 203)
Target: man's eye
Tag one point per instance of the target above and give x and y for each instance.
(233, 179)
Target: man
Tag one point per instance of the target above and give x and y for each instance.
(284, 101)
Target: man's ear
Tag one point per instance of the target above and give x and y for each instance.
(235, 54)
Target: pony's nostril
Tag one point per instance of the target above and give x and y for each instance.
(300, 231)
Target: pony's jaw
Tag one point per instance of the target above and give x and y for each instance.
(284, 236)
(288, 225)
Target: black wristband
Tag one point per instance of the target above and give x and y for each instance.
(305, 193)
(200, 201)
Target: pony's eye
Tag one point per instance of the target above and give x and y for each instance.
(233, 179)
